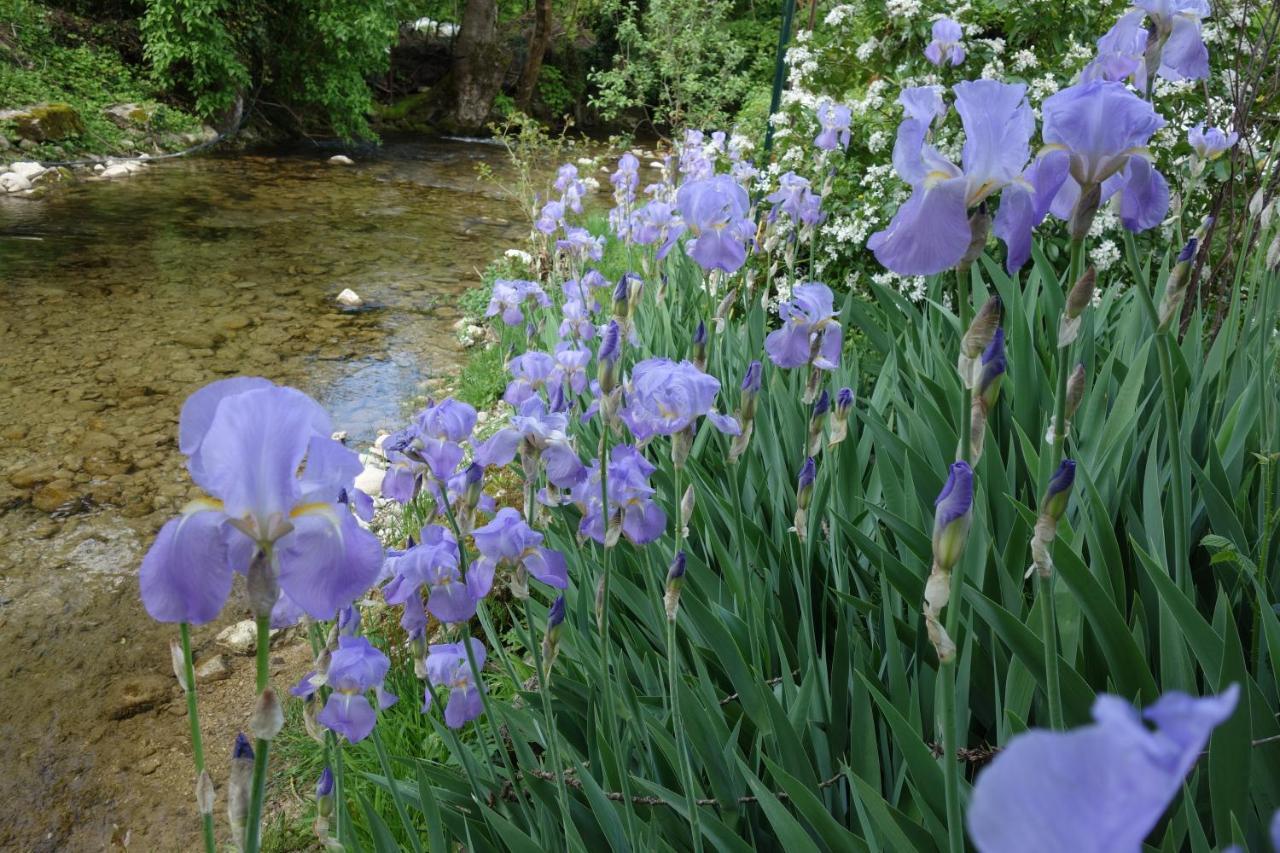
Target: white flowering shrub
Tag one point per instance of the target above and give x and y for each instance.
(863, 53)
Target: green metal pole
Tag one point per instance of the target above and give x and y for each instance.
(779, 74)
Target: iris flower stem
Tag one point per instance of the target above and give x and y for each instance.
(385, 761)
(262, 746)
(947, 670)
(517, 781)
(339, 784)
(673, 677)
(610, 713)
(552, 736)
(193, 717)
(1044, 586)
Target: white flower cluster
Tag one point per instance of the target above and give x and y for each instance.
(902, 8)
(839, 14)
(1104, 255)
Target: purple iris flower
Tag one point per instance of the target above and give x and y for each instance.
(551, 218)
(835, 120)
(583, 289)
(531, 372)
(627, 177)
(945, 47)
(577, 322)
(540, 433)
(1211, 143)
(246, 440)
(1120, 51)
(630, 498)
(665, 397)
(715, 211)
(571, 367)
(440, 431)
(509, 541)
(432, 563)
(448, 667)
(570, 187)
(657, 223)
(1098, 131)
(810, 332)
(579, 243)
(931, 232)
(354, 669)
(1184, 55)
(694, 163)
(1099, 787)
(796, 199)
(509, 296)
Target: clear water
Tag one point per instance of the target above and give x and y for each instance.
(117, 299)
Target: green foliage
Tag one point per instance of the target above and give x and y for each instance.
(553, 91)
(807, 692)
(40, 63)
(315, 56)
(677, 62)
(483, 378)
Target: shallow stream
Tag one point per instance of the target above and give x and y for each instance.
(119, 298)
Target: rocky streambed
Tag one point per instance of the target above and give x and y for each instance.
(119, 299)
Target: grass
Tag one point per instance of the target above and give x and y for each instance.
(43, 59)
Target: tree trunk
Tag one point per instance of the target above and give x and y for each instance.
(538, 44)
(478, 65)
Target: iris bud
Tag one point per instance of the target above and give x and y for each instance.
(622, 298)
(1081, 293)
(1075, 391)
(817, 416)
(324, 793)
(268, 716)
(179, 662)
(804, 496)
(990, 372)
(1084, 211)
(979, 225)
(608, 355)
(1175, 289)
(1052, 507)
(675, 582)
(977, 338)
(1078, 299)
(239, 784)
(205, 793)
(839, 420)
(686, 508)
(953, 514)
(551, 640)
(1054, 503)
(700, 338)
(746, 410)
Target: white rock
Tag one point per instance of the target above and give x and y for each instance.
(341, 160)
(98, 167)
(12, 182)
(241, 638)
(116, 170)
(370, 479)
(28, 169)
(350, 298)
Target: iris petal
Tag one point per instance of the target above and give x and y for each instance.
(186, 575)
